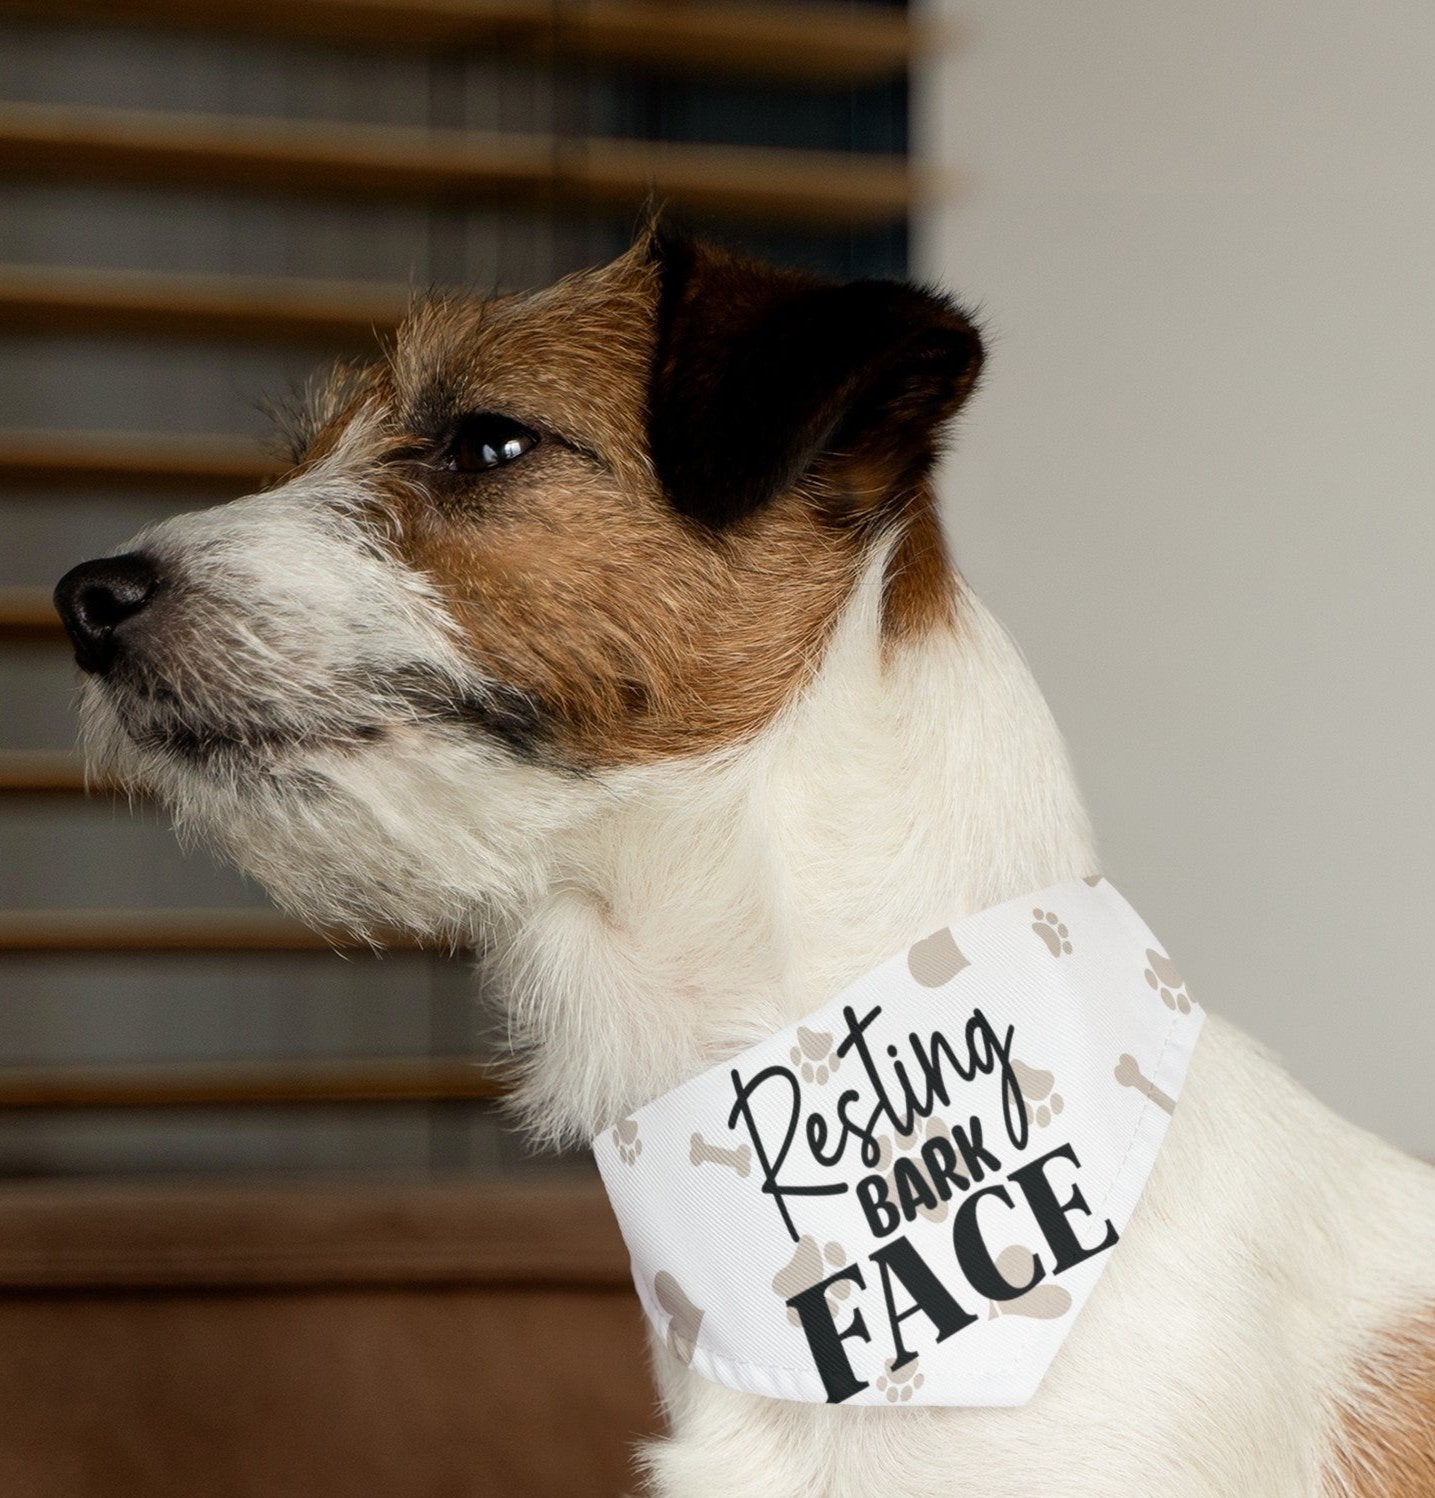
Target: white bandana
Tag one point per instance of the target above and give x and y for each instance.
(908, 1197)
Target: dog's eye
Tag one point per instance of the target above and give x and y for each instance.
(487, 440)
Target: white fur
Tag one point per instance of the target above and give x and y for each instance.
(652, 920)
(286, 612)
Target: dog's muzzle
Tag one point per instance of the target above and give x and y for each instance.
(98, 603)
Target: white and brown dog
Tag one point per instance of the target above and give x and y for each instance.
(611, 628)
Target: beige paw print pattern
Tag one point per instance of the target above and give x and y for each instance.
(888, 1146)
(1043, 1102)
(685, 1317)
(936, 1207)
(1043, 1302)
(1161, 975)
(810, 1263)
(1052, 931)
(814, 1055)
(936, 959)
(898, 1385)
(627, 1142)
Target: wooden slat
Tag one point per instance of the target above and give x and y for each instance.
(27, 615)
(41, 772)
(132, 460)
(800, 42)
(62, 299)
(268, 1083)
(134, 1234)
(188, 930)
(797, 42)
(391, 162)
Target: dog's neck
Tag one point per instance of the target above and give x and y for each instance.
(700, 907)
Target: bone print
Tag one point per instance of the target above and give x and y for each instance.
(1129, 1074)
(1043, 1302)
(701, 1152)
(686, 1317)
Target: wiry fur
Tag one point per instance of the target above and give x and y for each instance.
(649, 915)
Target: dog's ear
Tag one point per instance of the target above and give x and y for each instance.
(760, 375)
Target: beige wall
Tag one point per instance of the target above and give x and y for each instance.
(1199, 485)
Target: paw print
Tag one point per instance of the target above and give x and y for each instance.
(1052, 931)
(898, 1385)
(810, 1263)
(936, 959)
(1161, 975)
(889, 1144)
(937, 1129)
(626, 1141)
(1043, 1302)
(1042, 1103)
(936, 1210)
(814, 1056)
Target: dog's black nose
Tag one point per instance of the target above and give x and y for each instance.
(95, 598)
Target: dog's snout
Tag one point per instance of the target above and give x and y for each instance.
(94, 600)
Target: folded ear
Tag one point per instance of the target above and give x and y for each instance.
(760, 375)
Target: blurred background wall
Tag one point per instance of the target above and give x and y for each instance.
(1199, 484)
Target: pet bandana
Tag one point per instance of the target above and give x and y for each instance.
(908, 1197)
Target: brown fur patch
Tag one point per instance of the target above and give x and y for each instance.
(920, 593)
(1386, 1442)
(641, 640)
(638, 631)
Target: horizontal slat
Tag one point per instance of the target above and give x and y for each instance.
(406, 1079)
(34, 932)
(28, 615)
(392, 162)
(133, 1235)
(132, 460)
(62, 299)
(803, 41)
(799, 42)
(41, 772)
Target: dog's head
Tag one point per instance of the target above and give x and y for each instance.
(548, 538)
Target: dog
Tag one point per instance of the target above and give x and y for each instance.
(611, 628)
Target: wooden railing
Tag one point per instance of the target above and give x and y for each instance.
(796, 42)
(163, 149)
